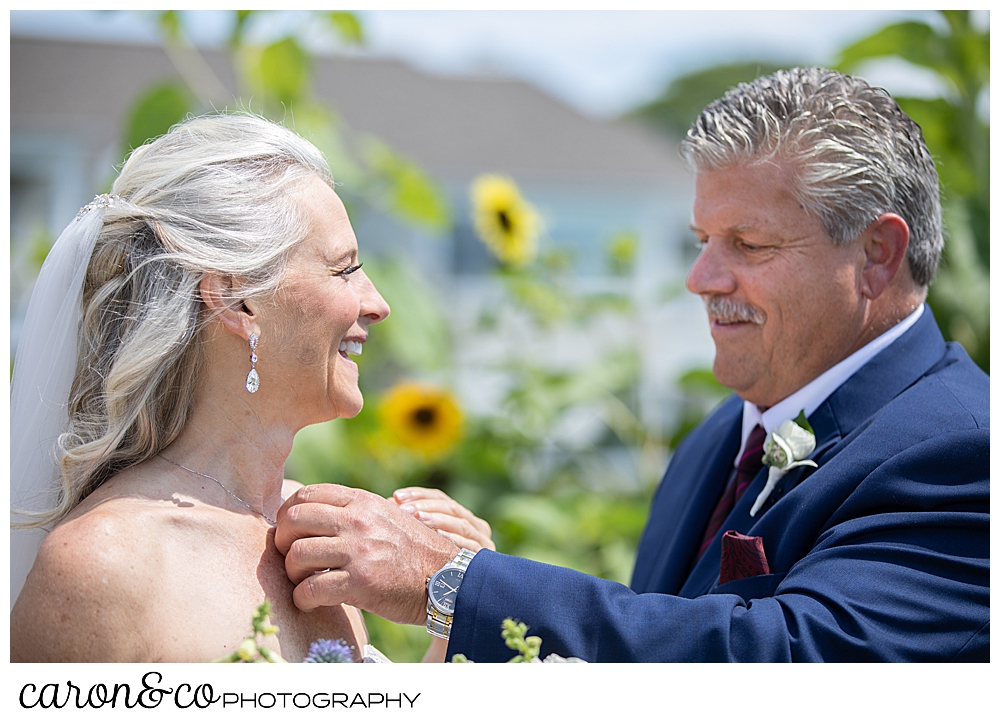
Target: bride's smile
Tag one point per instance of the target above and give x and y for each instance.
(222, 282)
(319, 315)
(219, 298)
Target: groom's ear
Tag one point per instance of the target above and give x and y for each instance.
(885, 243)
(221, 296)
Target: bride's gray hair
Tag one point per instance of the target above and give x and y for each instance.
(211, 196)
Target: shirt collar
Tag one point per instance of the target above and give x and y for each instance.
(813, 394)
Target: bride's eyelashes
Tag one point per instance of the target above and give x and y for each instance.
(344, 273)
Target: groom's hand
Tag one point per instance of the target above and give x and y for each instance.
(344, 545)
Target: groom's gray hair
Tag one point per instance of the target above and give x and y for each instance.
(854, 153)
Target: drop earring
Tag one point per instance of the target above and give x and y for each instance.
(253, 378)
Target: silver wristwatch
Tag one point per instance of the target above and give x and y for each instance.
(442, 589)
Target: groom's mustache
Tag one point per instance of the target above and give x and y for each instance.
(726, 311)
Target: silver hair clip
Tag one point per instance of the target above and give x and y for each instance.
(101, 200)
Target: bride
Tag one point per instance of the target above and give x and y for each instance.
(182, 330)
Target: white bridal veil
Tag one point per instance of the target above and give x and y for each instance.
(43, 372)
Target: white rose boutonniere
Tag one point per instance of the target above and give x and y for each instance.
(786, 448)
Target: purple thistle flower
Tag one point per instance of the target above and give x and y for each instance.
(329, 651)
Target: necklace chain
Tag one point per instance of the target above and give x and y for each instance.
(231, 493)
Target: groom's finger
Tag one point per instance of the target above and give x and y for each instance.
(308, 519)
(311, 554)
(327, 494)
(324, 588)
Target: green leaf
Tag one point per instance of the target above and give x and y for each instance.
(230, 658)
(544, 519)
(417, 332)
(960, 294)
(320, 126)
(803, 422)
(702, 380)
(247, 650)
(283, 70)
(39, 245)
(513, 634)
(405, 189)
(942, 124)
(936, 117)
(957, 19)
(317, 453)
(913, 41)
(683, 99)
(240, 26)
(269, 655)
(347, 26)
(155, 112)
(170, 24)
(260, 616)
(622, 249)
(557, 260)
(540, 396)
(543, 300)
(607, 302)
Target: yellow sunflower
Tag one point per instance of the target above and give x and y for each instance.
(505, 222)
(422, 418)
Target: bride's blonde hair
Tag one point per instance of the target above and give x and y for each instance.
(210, 196)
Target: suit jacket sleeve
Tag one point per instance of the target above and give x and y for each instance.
(898, 571)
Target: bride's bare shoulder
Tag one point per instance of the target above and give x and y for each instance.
(87, 597)
(82, 600)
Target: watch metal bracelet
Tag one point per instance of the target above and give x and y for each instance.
(438, 622)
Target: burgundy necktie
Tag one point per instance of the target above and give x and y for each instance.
(750, 464)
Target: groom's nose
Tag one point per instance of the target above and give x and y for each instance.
(711, 272)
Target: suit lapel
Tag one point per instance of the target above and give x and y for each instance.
(705, 574)
(883, 378)
(828, 434)
(888, 374)
(696, 478)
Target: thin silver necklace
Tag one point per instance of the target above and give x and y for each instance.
(231, 493)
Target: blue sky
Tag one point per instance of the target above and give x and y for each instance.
(600, 62)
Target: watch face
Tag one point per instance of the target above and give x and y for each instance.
(444, 587)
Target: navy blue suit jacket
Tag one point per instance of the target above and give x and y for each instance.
(880, 553)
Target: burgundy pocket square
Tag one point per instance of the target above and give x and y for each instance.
(742, 556)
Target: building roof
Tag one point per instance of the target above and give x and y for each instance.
(452, 126)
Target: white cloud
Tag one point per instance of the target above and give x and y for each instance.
(601, 62)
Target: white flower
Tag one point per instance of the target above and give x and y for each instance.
(556, 658)
(786, 448)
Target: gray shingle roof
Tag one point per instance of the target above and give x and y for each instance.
(452, 126)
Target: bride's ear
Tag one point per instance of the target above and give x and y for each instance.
(221, 296)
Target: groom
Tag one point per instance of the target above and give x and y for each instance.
(817, 208)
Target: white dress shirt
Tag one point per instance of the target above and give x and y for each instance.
(813, 394)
